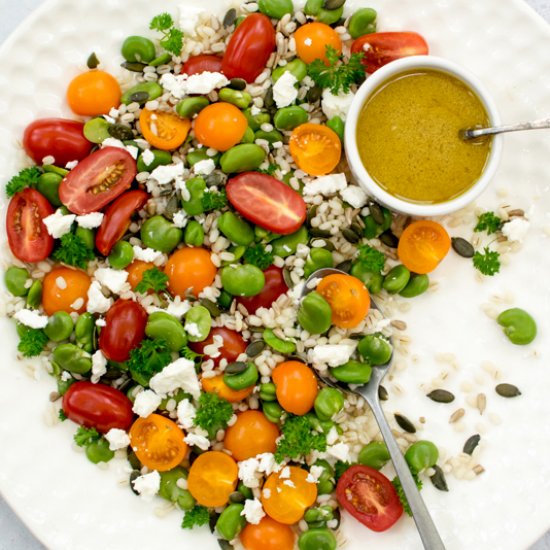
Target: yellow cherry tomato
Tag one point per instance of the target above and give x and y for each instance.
(93, 93)
(166, 131)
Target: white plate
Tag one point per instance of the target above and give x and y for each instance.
(71, 504)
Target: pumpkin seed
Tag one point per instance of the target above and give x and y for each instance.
(404, 423)
(139, 97)
(350, 235)
(236, 367)
(314, 94)
(229, 18)
(471, 444)
(133, 476)
(92, 61)
(311, 213)
(236, 497)
(172, 206)
(382, 393)
(507, 390)
(135, 67)
(216, 177)
(323, 233)
(269, 102)
(211, 306)
(212, 521)
(389, 239)
(333, 4)
(375, 210)
(441, 396)
(119, 131)
(345, 266)
(237, 84)
(255, 348)
(225, 544)
(357, 227)
(438, 479)
(287, 278)
(462, 247)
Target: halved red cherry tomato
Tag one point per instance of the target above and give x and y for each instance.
(382, 47)
(233, 344)
(267, 202)
(123, 331)
(197, 64)
(61, 138)
(97, 406)
(249, 48)
(97, 180)
(28, 237)
(274, 286)
(369, 497)
(117, 219)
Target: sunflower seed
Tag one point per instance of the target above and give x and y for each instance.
(398, 324)
(507, 390)
(471, 444)
(350, 235)
(325, 244)
(389, 239)
(462, 247)
(457, 415)
(382, 393)
(54, 396)
(345, 266)
(229, 18)
(92, 61)
(139, 97)
(441, 396)
(119, 131)
(376, 212)
(211, 306)
(478, 469)
(481, 402)
(134, 66)
(287, 278)
(516, 212)
(404, 423)
(236, 367)
(438, 479)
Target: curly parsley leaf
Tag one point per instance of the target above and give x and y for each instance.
(337, 75)
(153, 279)
(213, 201)
(487, 263)
(213, 413)
(62, 416)
(401, 494)
(197, 516)
(148, 359)
(371, 260)
(270, 170)
(488, 221)
(32, 342)
(85, 436)
(72, 250)
(172, 37)
(161, 22)
(188, 353)
(299, 439)
(257, 255)
(28, 177)
(339, 468)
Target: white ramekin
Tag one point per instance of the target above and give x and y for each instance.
(372, 83)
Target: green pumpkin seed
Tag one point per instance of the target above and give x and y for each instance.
(404, 423)
(438, 479)
(382, 393)
(269, 102)
(135, 67)
(217, 178)
(314, 94)
(345, 266)
(133, 476)
(237, 83)
(507, 390)
(139, 97)
(389, 239)
(471, 444)
(225, 545)
(211, 306)
(287, 278)
(350, 235)
(311, 213)
(377, 213)
(462, 247)
(236, 497)
(92, 62)
(333, 4)
(119, 131)
(358, 226)
(441, 396)
(255, 348)
(229, 18)
(323, 233)
(236, 367)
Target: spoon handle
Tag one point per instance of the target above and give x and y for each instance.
(424, 523)
(535, 125)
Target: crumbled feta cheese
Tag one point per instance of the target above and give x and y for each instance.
(192, 329)
(112, 279)
(315, 472)
(147, 485)
(146, 254)
(204, 167)
(249, 472)
(178, 308)
(180, 219)
(332, 355)
(267, 463)
(284, 90)
(146, 402)
(255, 110)
(117, 438)
(198, 440)
(100, 322)
(186, 413)
(253, 511)
(71, 164)
(516, 229)
(57, 224)
(180, 374)
(189, 18)
(336, 105)
(97, 303)
(326, 185)
(354, 196)
(167, 173)
(202, 83)
(285, 473)
(91, 220)
(340, 451)
(147, 157)
(113, 142)
(332, 436)
(99, 366)
(31, 318)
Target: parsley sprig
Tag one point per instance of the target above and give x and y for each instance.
(401, 494)
(28, 177)
(489, 222)
(153, 279)
(172, 37)
(487, 262)
(213, 201)
(371, 260)
(72, 250)
(148, 359)
(257, 255)
(213, 413)
(32, 342)
(85, 436)
(299, 439)
(197, 516)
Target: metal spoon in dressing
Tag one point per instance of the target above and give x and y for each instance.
(472, 133)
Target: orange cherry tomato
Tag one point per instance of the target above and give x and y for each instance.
(423, 245)
(217, 385)
(212, 478)
(251, 435)
(287, 502)
(220, 125)
(315, 148)
(93, 93)
(158, 442)
(189, 269)
(312, 40)
(65, 289)
(166, 131)
(136, 270)
(296, 386)
(348, 298)
(267, 535)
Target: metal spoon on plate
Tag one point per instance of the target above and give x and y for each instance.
(369, 392)
(473, 133)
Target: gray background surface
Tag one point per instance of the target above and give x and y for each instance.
(13, 534)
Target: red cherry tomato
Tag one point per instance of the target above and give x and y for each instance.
(197, 64)
(249, 48)
(267, 202)
(233, 345)
(274, 286)
(123, 331)
(382, 47)
(28, 237)
(61, 138)
(117, 219)
(97, 406)
(97, 180)
(369, 497)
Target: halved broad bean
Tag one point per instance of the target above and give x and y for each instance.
(242, 280)
(163, 326)
(160, 234)
(287, 245)
(290, 117)
(96, 130)
(160, 158)
(196, 187)
(363, 21)
(337, 124)
(421, 455)
(519, 327)
(375, 349)
(98, 451)
(60, 326)
(239, 98)
(271, 137)
(255, 121)
(162, 59)
(373, 281)
(396, 279)
(72, 358)
(297, 67)
(121, 256)
(273, 411)
(84, 330)
(236, 229)
(198, 323)
(138, 48)
(190, 106)
(244, 379)
(313, 7)
(319, 538)
(248, 136)
(375, 454)
(242, 158)
(48, 185)
(15, 279)
(170, 490)
(197, 155)
(417, 285)
(373, 228)
(275, 8)
(268, 392)
(141, 93)
(352, 372)
(194, 234)
(282, 346)
(314, 314)
(329, 401)
(325, 484)
(231, 522)
(317, 259)
(34, 297)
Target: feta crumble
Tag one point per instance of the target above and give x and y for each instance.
(167, 173)
(91, 220)
(186, 414)
(147, 157)
(112, 279)
(97, 303)
(71, 164)
(117, 438)
(249, 472)
(284, 90)
(253, 511)
(180, 219)
(57, 224)
(192, 329)
(146, 254)
(516, 229)
(204, 83)
(354, 196)
(146, 402)
(198, 440)
(189, 18)
(147, 485)
(180, 374)
(340, 451)
(113, 142)
(31, 318)
(204, 167)
(332, 355)
(326, 185)
(336, 105)
(315, 472)
(99, 366)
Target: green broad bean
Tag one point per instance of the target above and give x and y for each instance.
(362, 22)
(255, 121)
(282, 346)
(225, 299)
(238, 251)
(231, 522)
(275, 8)
(375, 454)
(288, 244)
(64, 385)
(163, 326)
(373, 281)
(239, 98)
(48, 185)
(372, 228)
(160, 234)
(191, 106)
(296, 67)
(272, 411)
(320, 425)
(196, 156)
(314, 314)
(288, 118)
(198, 323)
(248, 136)
(122, 255)
(138, 49)
(72, 358)
(337, 125)
(170, 490)
(242, 280)
(325, 483)
(375, 349)
(261, 234)
(318, 515)
(313, 7)
(317, 259)
(417, 285)
(519, 327)
(15, 279)
(242, 380)
(329, 401)
(99, 451)
(268, 392)
(242, 158)
(352, 372)
(271, 137)
(236, 229)
(60, 326)
(96, 130)
(245, 491)
(34, 297)
(162, 59)
(196, 187)
(194, 234)
(160, 158)
(396, 279)
(84, 330)
(421, 455)
(329, 17)
(87, 236)
(141, 93)
(319, 538)
(53, 169)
